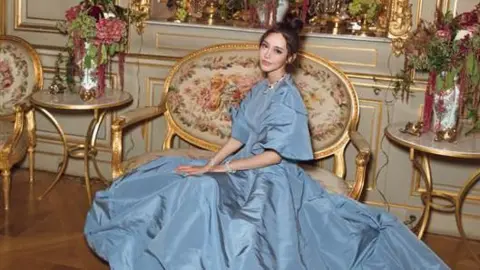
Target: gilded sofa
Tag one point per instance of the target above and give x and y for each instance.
(20, 75)
(203, 85)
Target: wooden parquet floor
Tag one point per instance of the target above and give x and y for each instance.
(47, 234)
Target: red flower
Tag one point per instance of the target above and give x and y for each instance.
(467, 19)
(110, 31)
(72, 13)
(95, 12)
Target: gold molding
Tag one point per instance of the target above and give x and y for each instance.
(400, 24)
(378, 109)
(149, 96)
(3, 16)
(20, 25)
(347, 63)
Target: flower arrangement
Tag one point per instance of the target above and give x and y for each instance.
(449, 50)
(97, 31)
(6, 77)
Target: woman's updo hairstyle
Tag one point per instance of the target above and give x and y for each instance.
(290, 29)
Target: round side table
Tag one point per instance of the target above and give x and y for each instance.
(465, 147)
(43, 101)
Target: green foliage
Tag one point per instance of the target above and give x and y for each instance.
(84, 25)
(368, 7)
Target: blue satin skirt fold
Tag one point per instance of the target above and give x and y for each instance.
(271, 218)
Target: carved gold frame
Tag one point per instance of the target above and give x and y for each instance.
(337, 149)
(399, 23)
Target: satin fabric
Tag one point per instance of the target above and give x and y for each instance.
(275, 217)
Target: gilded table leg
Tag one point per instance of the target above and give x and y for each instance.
(92, 145)
(423, 167)
(90, 151)
(63, 164)
(458, 211)
(6, 179)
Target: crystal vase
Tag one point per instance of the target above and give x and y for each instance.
(88, 76)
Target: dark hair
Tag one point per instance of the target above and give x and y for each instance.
(290, 29)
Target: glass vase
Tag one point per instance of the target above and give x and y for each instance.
(88, 77)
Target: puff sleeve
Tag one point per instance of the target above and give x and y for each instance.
(286, 126)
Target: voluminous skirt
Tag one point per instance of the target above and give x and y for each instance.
(271, 218)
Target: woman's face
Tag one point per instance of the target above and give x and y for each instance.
(273, 54)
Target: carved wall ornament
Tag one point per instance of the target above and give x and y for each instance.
(400, 24)
(141, 9)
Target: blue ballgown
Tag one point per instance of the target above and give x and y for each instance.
(275, 217)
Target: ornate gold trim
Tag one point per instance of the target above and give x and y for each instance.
(37, 65)
(3, 16)
(400, 24)
(141, 9)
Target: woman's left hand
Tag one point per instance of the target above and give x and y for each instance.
(192, 170)
(197, 170)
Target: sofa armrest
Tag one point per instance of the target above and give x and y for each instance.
(361, 160)
(119, 124)
(137, 116)
(18, 127)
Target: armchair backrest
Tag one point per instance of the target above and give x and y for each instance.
(202, 86)
(20, 72)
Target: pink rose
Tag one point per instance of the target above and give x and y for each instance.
(445, 34)
(110, 31)
(72, 13)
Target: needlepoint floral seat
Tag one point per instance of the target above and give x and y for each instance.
(20, 75)
(203, 86)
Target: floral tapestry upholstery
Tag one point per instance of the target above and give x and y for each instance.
(206, 85)
(17, 74)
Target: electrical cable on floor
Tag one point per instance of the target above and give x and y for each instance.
(389, 103)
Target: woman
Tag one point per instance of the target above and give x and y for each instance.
(250, 207)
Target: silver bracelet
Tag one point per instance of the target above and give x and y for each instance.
(227, 166)
(211, 162)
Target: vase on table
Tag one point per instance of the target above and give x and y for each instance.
(88, 76)
(446, 107)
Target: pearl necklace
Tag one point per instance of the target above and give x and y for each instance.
(271, 86)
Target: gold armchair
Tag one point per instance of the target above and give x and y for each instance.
(20, 75)
(202, 86)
